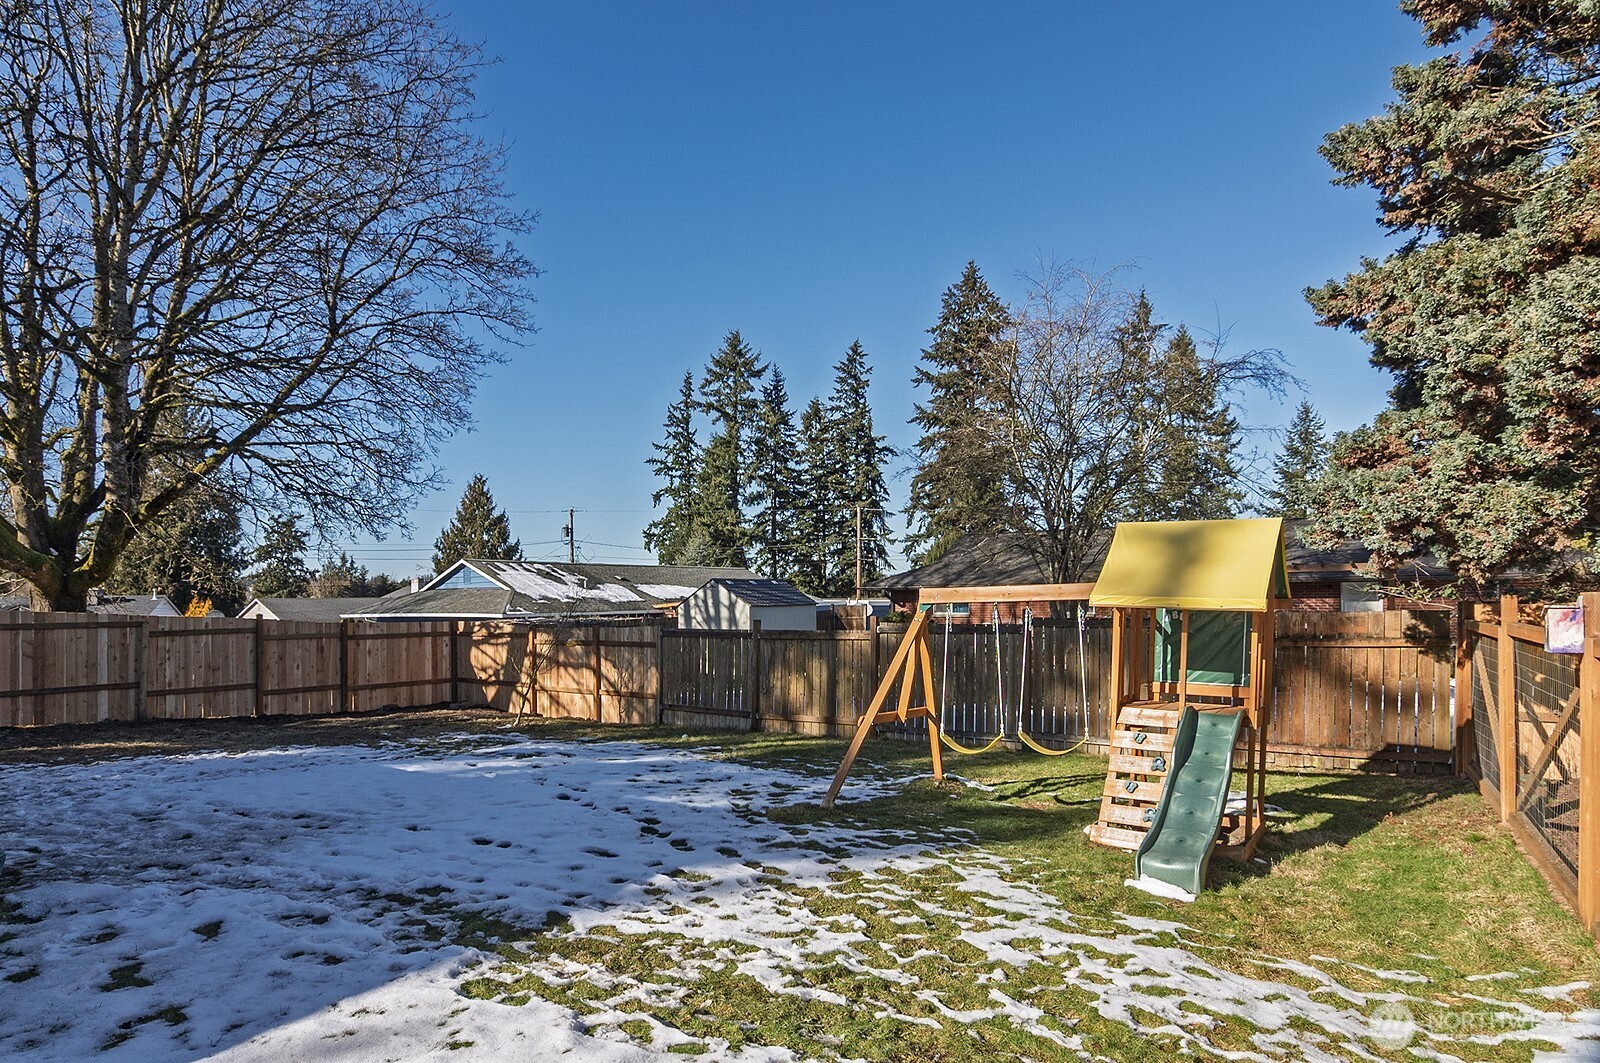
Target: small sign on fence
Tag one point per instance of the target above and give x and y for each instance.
(1563, 629)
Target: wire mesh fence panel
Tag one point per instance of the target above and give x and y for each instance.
(1485, 679)
(1547, 748)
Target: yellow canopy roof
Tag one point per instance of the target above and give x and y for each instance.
(1195, 564)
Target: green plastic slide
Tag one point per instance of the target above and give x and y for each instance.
(1172, 859)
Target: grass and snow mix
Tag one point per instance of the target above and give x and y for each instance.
(523, 898)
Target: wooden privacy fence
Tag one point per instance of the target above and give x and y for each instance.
(1523, 740)
(71, 668)
(1351, 688)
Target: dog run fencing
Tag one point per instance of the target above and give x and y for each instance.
(1525, 744)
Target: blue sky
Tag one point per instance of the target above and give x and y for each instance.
(816, 173)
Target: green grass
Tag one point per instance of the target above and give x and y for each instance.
(1361, 871)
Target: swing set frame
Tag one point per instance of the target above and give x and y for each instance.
(911, 667)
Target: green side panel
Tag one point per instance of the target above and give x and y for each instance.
(1219, 646)
(1178, 847)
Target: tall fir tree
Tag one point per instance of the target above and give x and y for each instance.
(774, 475)
(819, 527)
(1484, 165)
(955, 489)
(477, 530)
(676, 464)
(859, 455)
(1197, 469)
(1299, 464)
(723, 485)
(281, 557)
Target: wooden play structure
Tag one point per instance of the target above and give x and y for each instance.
(911, 667)
(1191, 606)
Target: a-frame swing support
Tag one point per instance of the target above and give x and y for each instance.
(912, 667)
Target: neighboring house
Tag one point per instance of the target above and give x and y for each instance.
(476, 589)
(850, 614)
(107, 604)
(739, 604)
(316, 610)
(1328, 580)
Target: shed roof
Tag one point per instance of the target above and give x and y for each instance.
(1233, 565)
(759, 592)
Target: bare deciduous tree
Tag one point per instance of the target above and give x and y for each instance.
(266, 220)
(1094, 404)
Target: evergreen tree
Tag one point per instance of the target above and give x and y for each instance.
(1196, 466)
(723, 485)
(1295, 471)
(477, 530)
(1486, 163)
(774, 475)
(195, 551)
(954, 489)
(819, 529)
(676, 463)
(859, 455)
(282, 560)
(340, 578)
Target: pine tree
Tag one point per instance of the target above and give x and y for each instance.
(282, 560)
(955, 488)
(1485, 165)
(818, 529)
(478, 530)
(1195, 464)
(676, 464)
(723, 486)
(859, 456)
(1297, 467)
(774, 475)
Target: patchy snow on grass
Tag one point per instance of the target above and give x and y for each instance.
(298, 903)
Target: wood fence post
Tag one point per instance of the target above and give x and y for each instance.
(1589, 766)
(455, 662)
(261, 667)
(344, 666)
(594, 643)
(754, 684)
(141, 670)
(1465, 749)
(1507, 698)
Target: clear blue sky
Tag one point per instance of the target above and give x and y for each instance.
(815, 173)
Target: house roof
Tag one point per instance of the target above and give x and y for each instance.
(485, 589)
(1004, 558)
(1194, 564)
(110, 605)
(759, 592)
(317, 610)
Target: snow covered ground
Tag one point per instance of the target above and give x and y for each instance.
(267, 906)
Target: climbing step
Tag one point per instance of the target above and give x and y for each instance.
(1141, 746)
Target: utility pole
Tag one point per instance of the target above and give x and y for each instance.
(570, 533)
(858, 551)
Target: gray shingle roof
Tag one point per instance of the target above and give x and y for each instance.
(556, 589)
(766, 592)
(315, 610)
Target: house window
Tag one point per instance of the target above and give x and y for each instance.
(953, 609)
(1360, 598)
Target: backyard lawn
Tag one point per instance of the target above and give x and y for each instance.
(441, 885)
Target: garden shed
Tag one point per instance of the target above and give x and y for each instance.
(738, 604)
